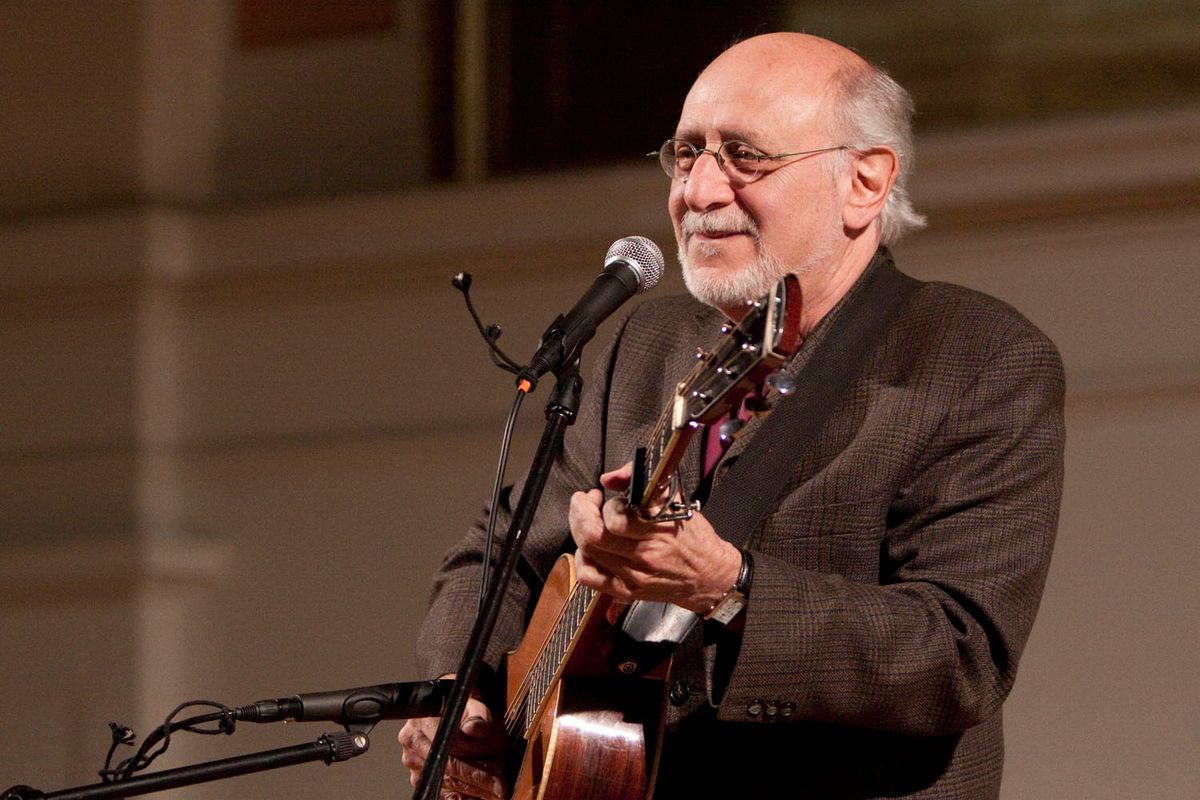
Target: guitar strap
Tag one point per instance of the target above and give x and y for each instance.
(753, 484)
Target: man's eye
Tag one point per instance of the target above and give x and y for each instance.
(684, 153)
(742, 153)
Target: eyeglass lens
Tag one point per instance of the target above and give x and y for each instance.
(738, 159)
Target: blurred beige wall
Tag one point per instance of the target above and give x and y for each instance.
(237, 438)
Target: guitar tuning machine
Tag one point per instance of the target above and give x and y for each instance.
(702, 354)
(782, 382)
(729, 430)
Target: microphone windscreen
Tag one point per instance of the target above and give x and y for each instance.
(641, 254)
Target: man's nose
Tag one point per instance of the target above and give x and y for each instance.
(707, 186)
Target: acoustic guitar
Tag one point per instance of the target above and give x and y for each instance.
(586, 691)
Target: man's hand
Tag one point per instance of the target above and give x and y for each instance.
(476, 752)
(685, 563)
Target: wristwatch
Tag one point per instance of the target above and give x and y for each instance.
(730, 604)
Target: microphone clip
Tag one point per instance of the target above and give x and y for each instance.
(490, 333)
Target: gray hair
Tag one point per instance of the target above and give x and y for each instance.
(872, 110)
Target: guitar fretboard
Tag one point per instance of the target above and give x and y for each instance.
(536, 685)
(660, 443)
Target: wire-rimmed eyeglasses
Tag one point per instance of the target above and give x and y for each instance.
(739, 161)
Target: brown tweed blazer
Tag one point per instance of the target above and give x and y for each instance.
(895, 585)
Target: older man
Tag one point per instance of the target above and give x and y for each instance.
(890, 591)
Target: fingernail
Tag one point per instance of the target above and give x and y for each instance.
(475, 727)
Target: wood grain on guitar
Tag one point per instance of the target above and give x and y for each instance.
(586, 730)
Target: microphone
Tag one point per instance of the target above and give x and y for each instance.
(347, 706)
(633, 264)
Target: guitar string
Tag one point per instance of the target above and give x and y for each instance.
(663, 429)
(539, 678)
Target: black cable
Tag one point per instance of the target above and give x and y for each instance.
(462, 282)
(497, 485)
(145, 754)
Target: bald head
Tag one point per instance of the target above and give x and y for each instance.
(794, 72)
(799, 54)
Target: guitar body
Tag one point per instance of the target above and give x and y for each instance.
(595, 732)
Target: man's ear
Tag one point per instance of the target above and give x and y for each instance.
(871, 178)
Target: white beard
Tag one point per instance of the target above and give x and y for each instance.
(727, 289)
(731, 289)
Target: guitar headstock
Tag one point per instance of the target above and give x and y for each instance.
(766, 337)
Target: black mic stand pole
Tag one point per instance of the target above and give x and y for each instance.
(331, 747)
(560, 412)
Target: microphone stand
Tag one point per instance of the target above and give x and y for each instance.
(560, 412)
(331, 747)
(357, 710)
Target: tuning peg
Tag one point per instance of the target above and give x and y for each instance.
(782, 382)
(702, 354)
(729, 430)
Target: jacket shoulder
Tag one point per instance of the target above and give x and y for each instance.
(971, 318)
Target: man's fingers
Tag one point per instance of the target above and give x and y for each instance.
(476, 727)
(476, 752)
(476, 780)
(618, 479)
(594, 576)
(583, 515)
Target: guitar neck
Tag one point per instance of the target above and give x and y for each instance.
(656, 464)
(537, 682)
(765, 338)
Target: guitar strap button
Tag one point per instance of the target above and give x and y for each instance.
(679, 693)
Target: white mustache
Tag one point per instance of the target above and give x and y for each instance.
(727, 220)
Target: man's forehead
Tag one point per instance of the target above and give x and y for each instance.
(751, 116)
(746, 128)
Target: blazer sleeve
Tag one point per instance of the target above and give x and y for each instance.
(932, 645)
